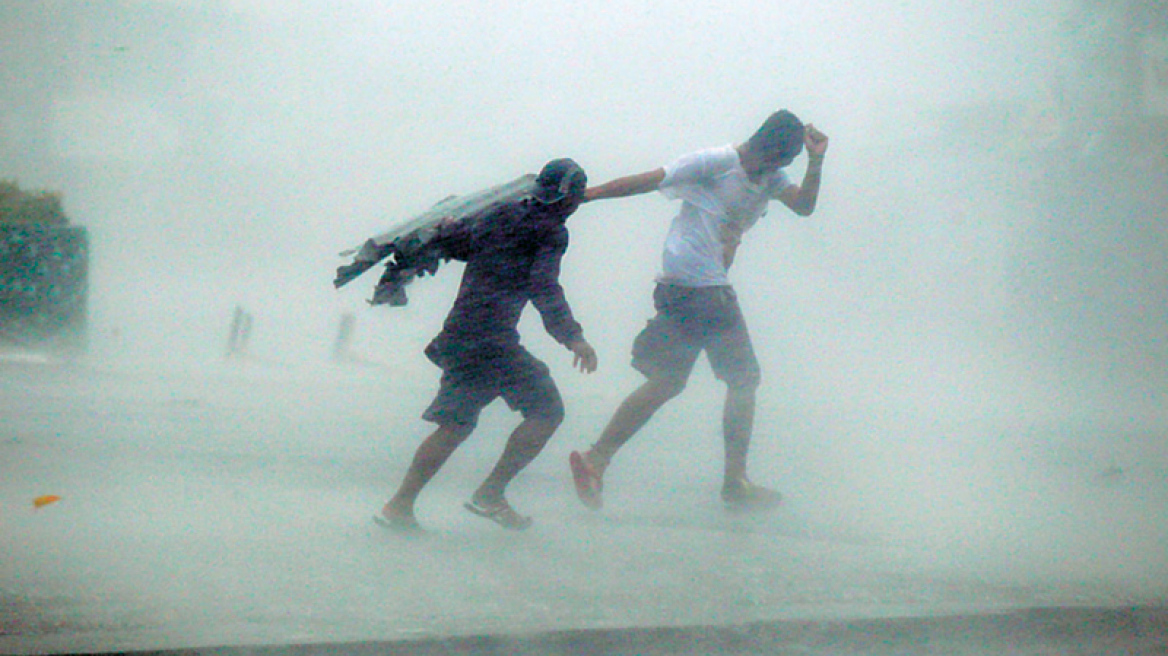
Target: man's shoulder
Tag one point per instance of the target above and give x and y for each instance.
(521, 222)
(495, 219)
(707, 161)
(506, 209)
(777, 181)
(726, 152)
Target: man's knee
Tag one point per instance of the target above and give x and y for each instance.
(460, 430)
(451, 434)
(553, 416)
(659, 390)
(550, 412)
(744, 384)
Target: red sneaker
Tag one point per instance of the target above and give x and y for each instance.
(589, 485)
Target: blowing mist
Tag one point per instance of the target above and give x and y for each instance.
(964, 350)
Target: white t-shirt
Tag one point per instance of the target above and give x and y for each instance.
(719, 204)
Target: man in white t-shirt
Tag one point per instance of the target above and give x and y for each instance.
(724, 191)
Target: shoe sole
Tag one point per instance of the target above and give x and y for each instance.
(747, 507)
(522, 525)
(410, 529)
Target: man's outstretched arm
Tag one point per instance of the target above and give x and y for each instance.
(801, 198)
(630, 185)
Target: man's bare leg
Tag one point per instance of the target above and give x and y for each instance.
(737, 427)
(428, 459)
(632, 415)
(738, 492)
(526, 442)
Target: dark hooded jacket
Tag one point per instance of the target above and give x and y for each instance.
(511, 258)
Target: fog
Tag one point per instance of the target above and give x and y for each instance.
(963, 349)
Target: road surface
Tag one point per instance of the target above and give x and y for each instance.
(227, 509)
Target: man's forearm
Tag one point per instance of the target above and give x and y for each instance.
(630, 185)
(809, 188)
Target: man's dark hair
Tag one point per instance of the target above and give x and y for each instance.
(781, 133)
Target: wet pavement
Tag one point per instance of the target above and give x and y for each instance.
(227, 509)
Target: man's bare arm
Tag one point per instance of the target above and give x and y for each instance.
(630, 185)
(801, 198)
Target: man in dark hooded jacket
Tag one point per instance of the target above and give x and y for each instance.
(511, 258)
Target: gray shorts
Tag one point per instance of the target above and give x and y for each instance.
(473, 378)
(691, 320)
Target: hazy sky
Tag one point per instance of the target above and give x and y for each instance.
(223, 153)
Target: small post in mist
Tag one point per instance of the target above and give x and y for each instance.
(342, 346)
(240, 333)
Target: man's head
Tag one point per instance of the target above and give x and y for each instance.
(779, 141)
(560, 179)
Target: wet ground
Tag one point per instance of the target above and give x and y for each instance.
(227, 508)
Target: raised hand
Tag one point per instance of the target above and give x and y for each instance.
(814, 141)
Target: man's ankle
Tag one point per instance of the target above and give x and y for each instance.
(735, 477)
(597, 462)
(395, 508)
(488, 497)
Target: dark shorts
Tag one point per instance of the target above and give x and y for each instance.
(474, 377)
(691, 320)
